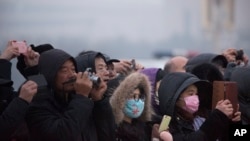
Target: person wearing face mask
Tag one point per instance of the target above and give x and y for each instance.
(131, 106)
(178, 97)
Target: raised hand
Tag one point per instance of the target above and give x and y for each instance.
(97, 92)
(31, 57)
(10, 52)
(123, 67)
(237, 115)
(83, 84)
(28, 90)
(226, 107)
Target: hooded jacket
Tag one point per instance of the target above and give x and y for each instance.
(170, 89)
(151, 73)
(207, 71)
(241, 76)
(50, 62)
(6, 89)
(206, 58)
(12, 108)
(78, 120)
(122, 92)
(87, 60)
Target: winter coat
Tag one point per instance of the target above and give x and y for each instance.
(80, 119)
(241, 76)
(151, 74)
(117, 101)
(154, 75)
(170, 89)
(207, 71)
(12, 108)
(6, 89)
(87, 60)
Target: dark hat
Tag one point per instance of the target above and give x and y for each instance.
(206, 58)
(5, 82)
(40, 49)
(207, 71)
(109, 60)
(241, 75)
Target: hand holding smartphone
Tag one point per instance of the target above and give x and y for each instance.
(22, 46)
(39, 79)
(164, 123)
(133, 64)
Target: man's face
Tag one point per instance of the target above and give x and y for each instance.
(65, 73)
(101, 69)
(112, 72)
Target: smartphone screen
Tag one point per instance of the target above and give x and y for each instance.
(164, 123)
(133, 65)
(39, 79)
(22, 47)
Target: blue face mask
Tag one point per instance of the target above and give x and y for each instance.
(133, 108)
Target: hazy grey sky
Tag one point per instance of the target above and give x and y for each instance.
(98, 21)
(103, 20)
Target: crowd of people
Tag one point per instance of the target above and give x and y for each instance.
(93, 97)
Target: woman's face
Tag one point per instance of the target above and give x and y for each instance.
(189, 91)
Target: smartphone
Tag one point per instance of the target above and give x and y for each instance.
(133, 65)
(22, 46)
(225, 90)
(164, 123)
(39, 79)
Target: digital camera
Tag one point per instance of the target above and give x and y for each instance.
(95, 79)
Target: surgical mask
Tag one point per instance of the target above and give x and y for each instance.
(192, 104)
(133, 108)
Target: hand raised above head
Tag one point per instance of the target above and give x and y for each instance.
(123, 67)
(31, 57)
(230, 54)
(10, 52)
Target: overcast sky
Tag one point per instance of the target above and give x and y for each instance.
(98, 21)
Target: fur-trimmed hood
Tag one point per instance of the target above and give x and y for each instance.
(126, 87)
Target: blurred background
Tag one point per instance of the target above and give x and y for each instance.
(150, 31)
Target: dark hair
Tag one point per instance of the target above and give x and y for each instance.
(141, 89)
(207, 71)
(160, 74)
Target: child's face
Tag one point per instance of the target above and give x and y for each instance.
(189, 91)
